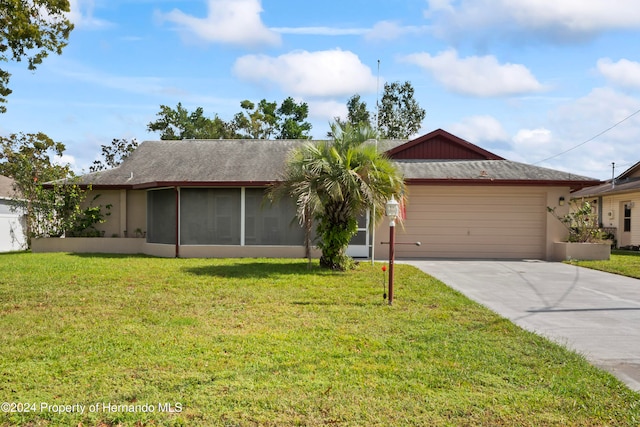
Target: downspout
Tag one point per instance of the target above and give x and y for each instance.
(177, 222)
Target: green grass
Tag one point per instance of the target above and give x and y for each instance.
(626, 263)
(269, 343)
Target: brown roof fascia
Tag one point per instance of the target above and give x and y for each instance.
(441, 132)
(164, 184)
(574, 185)
(49, 185)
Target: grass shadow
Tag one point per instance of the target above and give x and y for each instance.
(26, 251)
(625, 252)
(108, 255)
(258, 269)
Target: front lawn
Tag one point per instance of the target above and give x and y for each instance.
(626, 263)
(145, 341)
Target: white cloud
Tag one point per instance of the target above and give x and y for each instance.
(586, 138)
(383, 30)
(327, 110)
(131, 84)
(235, 22)
(559, 19)
(623, 73)
(65, 159)
(81, 15)
(478, 129)
(321, 31)
(322, 74)
(481, 76)
(391, 30)
(532, 138)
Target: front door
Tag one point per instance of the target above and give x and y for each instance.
(359, 245)
(625, 224)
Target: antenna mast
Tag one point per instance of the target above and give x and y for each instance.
(378, 100)
(613, 174)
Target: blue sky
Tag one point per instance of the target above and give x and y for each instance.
(526, 79)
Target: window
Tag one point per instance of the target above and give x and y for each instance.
(161, 216)
(627, 217)
(267, 224)
(210, 216)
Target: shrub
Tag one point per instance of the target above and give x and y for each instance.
(582, 223)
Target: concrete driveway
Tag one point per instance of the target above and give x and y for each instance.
(594, 313)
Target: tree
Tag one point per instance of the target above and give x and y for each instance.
(49, 210)
(357, 114)
(400, 115)
(30, 29)
(262, 121)
(291, 118)
(181, 124)
(336, 181)
(114, 154)
(256, 122)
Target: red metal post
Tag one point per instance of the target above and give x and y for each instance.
(392, 244)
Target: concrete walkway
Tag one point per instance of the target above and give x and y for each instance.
(594, 313)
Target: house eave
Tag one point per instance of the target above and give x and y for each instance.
(574, 185)
(605, 193)
(165, 184)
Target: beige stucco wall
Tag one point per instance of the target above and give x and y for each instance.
(613, 216)
(140, 246)
(88, 245)
(111, 226)
(477, 222)
(127, 214)
(136, 212)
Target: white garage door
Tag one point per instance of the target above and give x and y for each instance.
(474, 222)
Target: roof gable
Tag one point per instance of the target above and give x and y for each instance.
(440, 145)
(632, 172)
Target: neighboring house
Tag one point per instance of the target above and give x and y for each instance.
(615, 201)
(197, 198)
(12, 223)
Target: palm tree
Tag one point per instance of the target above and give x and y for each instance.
(334, 182)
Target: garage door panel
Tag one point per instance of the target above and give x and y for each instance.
(465, 222)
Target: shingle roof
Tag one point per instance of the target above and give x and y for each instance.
(6, 187)
(608, 188)
(626, 182)
(198, 161)
(258, 162)
(485, 170)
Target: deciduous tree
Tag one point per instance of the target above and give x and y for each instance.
(30, 29)
(292, 122)
(400, 115)
(357, 114)
(256, 121)
(114, 154)
(181, 124)
(50, 210)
